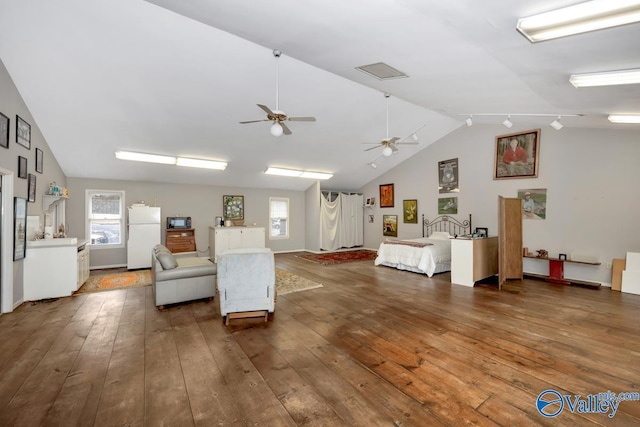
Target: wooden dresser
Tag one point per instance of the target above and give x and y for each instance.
(180, 240)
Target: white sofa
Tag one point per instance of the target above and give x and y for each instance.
(246, 283)
(181, 277)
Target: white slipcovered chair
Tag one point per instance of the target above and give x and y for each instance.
(246, 283)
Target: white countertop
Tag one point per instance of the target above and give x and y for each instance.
(52, 243)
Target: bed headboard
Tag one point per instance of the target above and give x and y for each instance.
(446, 223)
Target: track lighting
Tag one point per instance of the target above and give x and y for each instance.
(414, 137)
(276, 129)
(469, 121)
(556, 124)
(507, 122)
(373, 165)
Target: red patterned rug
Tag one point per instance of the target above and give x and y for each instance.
(341, 257)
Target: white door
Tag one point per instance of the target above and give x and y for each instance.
(142, 238)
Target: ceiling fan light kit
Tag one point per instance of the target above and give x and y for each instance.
(276, 116)
(580, 18)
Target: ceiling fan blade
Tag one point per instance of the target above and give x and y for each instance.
(372, 148)
(254, 121)
(406, 143)
(302, 119)
(265, 108)
(392, 140)
(285, 129)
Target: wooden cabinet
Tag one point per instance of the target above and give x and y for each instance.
(180, 240)
(509, 239)
(473, 260)
(223, 238)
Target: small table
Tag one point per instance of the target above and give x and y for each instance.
(556, 269)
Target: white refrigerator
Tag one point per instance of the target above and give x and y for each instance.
(143, 234)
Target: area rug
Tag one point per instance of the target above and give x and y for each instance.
(108, 282)
(287, 283)
(341, 257)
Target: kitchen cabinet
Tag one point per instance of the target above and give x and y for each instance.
(180, 240)
(223, 238)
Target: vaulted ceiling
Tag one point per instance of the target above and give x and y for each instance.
(176, 76)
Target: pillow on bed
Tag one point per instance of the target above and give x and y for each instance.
(439, 235)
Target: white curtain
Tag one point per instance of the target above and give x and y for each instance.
(341, 221)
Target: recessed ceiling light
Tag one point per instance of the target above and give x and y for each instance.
(579, 18)
(624, 118)
(608, 78)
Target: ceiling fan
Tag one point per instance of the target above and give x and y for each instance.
(390, 144)
(276, 116)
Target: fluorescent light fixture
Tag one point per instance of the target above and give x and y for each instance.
(507, 122)
(297, 173)
(469, 121)
(556, 124)
(608, 78)
(199, 163)
(624, 118)
(144, 157)
(580, 18)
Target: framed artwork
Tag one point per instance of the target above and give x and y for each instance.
(448, 205)
(534, 203)
(448, 176)
(371, 219)
(516, 155)
(19, 228)
(410, 211)
(386, 195)
(23, 133)
(481, 232)
(32, 188)
(39, 160)
(390, 225)
(4, 131)
(22, 167)
(233, 207)
(371, 201)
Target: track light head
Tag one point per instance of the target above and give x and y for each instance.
(507, 122)
(469, 121)
(373, 165)
(556, 124)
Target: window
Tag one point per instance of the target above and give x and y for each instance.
(105, 218)
(278, 218)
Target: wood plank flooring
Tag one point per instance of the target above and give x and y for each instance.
(373, 347)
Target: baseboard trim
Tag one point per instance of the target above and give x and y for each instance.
(102, 267)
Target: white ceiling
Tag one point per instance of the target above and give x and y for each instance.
(176, 76)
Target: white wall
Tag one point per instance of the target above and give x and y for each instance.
(591, 177)
(201, 202)
(312, 217)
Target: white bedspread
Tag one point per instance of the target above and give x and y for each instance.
(435, 258)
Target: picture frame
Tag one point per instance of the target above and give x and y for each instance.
(448, 176)
(534, 203)
(516, 155)
(370, 201)
(22, 167)
(410, 211)
(481, 232)
(562, 257)
(31, 192)
(4, 131)
(390, 225)
(448, 206)
(370, 219)
(233, 207)
(19, 228)
(23, 133)
(386, 195)
(39, 160)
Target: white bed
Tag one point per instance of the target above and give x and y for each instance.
(425, 255)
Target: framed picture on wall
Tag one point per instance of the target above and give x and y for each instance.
(390, 225)
(516, 155)
(410, 211)
(39, 160)
(448, 176)
(4, 131)
(448, 205)
(19, 228)
(386, 195)
(32, 188)
(22, 167)
(23, 133)
(233, 207)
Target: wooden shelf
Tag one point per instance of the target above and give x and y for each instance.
(556, 272)
(180, 240)
(563, 260)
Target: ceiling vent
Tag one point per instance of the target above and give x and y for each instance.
(381, 71)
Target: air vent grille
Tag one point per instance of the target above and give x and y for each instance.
(381, 71)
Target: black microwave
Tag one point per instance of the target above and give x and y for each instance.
(178, 222)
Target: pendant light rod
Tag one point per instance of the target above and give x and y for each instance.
(277, 54)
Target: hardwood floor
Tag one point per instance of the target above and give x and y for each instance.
(374, 346)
